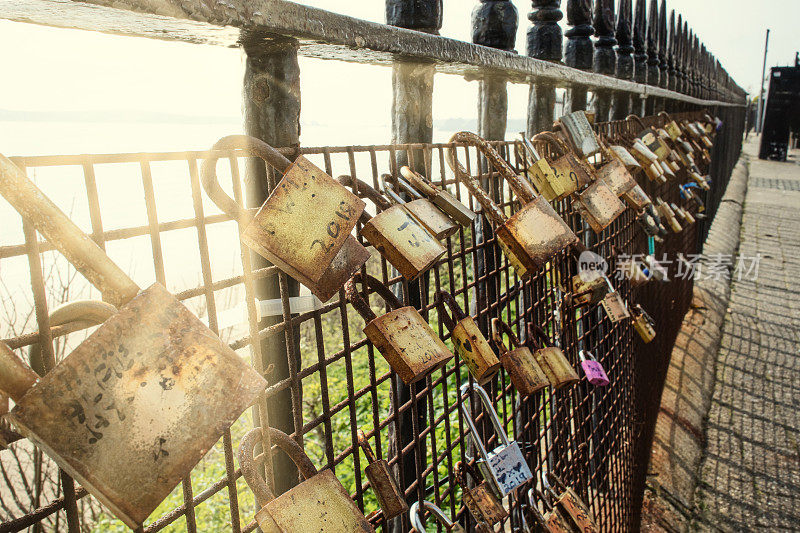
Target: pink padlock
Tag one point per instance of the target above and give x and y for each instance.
(593, 370)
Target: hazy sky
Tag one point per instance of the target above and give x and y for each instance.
(58, 70)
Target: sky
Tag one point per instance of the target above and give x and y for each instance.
(58, 71)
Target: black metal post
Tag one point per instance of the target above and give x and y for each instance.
(625, 63)
(640, 53)
(653, 73)
(544, 42)
(605, 60)
(579, 50)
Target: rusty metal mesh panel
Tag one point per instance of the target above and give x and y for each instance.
(148, 211)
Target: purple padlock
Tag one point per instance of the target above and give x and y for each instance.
(593, 370)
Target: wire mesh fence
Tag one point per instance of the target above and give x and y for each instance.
(148, 211)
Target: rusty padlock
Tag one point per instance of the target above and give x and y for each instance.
(480, 499)
(668, 214)
(598, 205)
(505, 468)
(623, 155)
(417, 510)
(533, 234)
(138, 403)
(526, 374)
(613, 304)
(551, 359)
(580, 133)
(402, 336)
(643, 324)
(445, 201)
(390, 498)
(423, 210)
(670, 126)
(571, 504)
(538, 170)
(648, 160)
(396, 234)
(588, 289)
(304, 227)
(467, 338)
(320, 504)
(571, 174)
(650, 138)
(615, 174)
(549, 521)
(636, 198)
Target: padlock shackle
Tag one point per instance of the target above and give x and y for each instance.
(552, 140)
(497, 161)
(640, 310)
(419, 181)
(89, 312)
(65, 236)
(363, 442)
(490, 209)
(489, 408)
(361, 305)
(406, 186)
(249, 462)
(254, 147)
(586, 355)
(415, 514)
(498, 328)
(363, 190)
(462, 470)
(538, 337)
(636, 118)
(389, 192)
(16, 377)
(529, 148)
(449, 300)
(534, 508)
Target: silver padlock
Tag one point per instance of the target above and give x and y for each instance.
(505, 466)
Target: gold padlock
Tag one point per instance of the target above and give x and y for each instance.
(648, 160)
(448, 203)
(667, 213)
(588, 290)
(613, 304)
(526, 374)
(416, 515)
(551, 359)
(670, 126)
(396, 234)
(538, 170)
(643, 324)
(181, 385)
(320, 504)
(633, 272)
(468, 340)
(571, 174)
(390, 498)
(650, 138)
(580, 133)
(550, 520)
(572, 505)
(480, 499)
(637, 198)
(684, 214)
(402, 336)
(427, 214)
(616, 175)
(533, 234)
(621, 154)
(320, 255)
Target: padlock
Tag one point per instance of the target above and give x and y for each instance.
(588, 289)
(549, 521)
(526, 374)
(571, 174)
(417, 522)
(538, 170)
(573, 507)
(427, 214)
(304, 227)
(637, 198)
(651, 225)
(504, 467)
(467, 338)
(390, 498)
(402, 336)
(670, 126)
(580, 133)
(648, 160)
(533, 234)
(684, 214)
(616, 176)
(595, 373)
(319, 504)
(396, 234)
(7, 435)
(598, 205)
(613, 304)
(668, 214)
(480, 499)
(657, 271)
(687, 193)
(137, 404)
(650, 138)
(448, 203)
(634, 272)
(551, 359)
(621, 154)
(643, 324)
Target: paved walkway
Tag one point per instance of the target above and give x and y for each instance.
(750, 477)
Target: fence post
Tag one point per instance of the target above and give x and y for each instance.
(640, 54)
(605, 60)
(680, 49)
(653, 74)
(672, 57)
(579, 50)
(271, 96)
(544, 42)
(412, 122)
(663, 65)
(622, 100)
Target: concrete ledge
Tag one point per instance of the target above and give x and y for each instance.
(679, 438)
